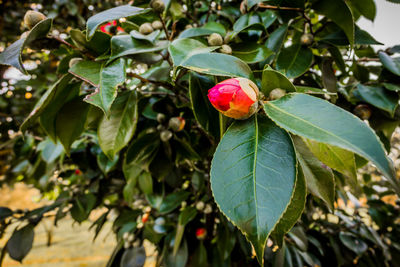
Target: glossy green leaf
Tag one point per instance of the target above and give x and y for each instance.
(251, 52)
(320, 180)
(139, 155)
(20, 243)
(111, 76)
(70, 122)
(353, 243)
(247, 22)
(124, 45)
(313, 91)
(392, 64)
(276, 38)
(340, 13)
(365, 38)
(294, 60)
(105, 164)
(392, 87)
(182, 49)
(49, 115)
(253, 174)
(209, 28)
(168, 203)
(11, 56)
(112, 14)
(151, 37)
(336, 158)
(311, 118)
(293, 211)
(184, 218)
(218, 65)
(88, 71)
(146, 182)
(45, 100)
(97, 45)
(272, 79)
(203, 111)
(116, 131)
(367, 8)
(378, 97)
(5, 213)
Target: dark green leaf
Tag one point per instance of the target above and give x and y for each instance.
(97, 45)
(276, 38)
(20, 243)
(5, 212)
(253, 174)
(11, 56)
(105, 164)
(320, 180)
(203, 111)
(392, 87)
(209, 28)
(294, 60)
(378, 97)
(182, 49)
(353, 243)
(169, 203)
(340, 13)
(70, 122)
(111, 14)
(146, 182)
(392, 64)
(115, 132)
(301, 114)
(366, 8)
(251, 52)
(218, 65)
(88, 71)
(124, 45)
(272, 79)
(293, 211)
(45, 100)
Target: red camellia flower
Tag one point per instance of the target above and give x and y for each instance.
(201, 233)
(106, 27)
(78, 172)
(235, 98)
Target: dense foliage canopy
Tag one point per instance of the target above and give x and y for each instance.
(112, 114)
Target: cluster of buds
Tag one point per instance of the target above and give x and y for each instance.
(158, 6)
(235, 98)
(129, 240)
(176, 124)
(111, 28)
(206, 208)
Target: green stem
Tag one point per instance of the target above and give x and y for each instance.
(221, 125)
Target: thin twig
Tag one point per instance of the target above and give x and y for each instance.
(208, 12)
(144, 80)
(173, 30)
(164, 27)
(62, 41)
(261, 5)
(365, 59)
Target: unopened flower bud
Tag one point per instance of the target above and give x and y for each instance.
(73, 61)
(145, 217)
(235, 98)
(201, 233)
(243, 7)
(130, 238)
(200, 205)
(176, 124)
(147, 209)
(276, 94)
(127, 245)
(160, 117)
(183, 204)
(226, 49)
(215, 39)
(157, 5)
(165, 135)
(32, 18)
(146, 28)
(208, 209)
(307, 39)
(157, 25)
(125, 236)
(189, 26)
(363, 111)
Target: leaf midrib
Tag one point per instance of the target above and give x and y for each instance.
(254, 171)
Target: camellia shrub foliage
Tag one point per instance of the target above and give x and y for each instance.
(225, 133)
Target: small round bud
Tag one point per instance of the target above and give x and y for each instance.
(160, 117)
(157, 25)
(307, 39)
(157, 5)
(215, 39)
(197, 4)
(189, 26)
(147, 209)
(165, 135)
(125, 236)
(276, 94)
(145, 28)
(201, 233)
(363, 111)
(140, 225)
(136, 243)
(208, 209)
(183, 204)
(160, 127)
(200, 205)
(130, 238)
(226, 49)
(243, 7)
(186, 185)
(127, 245)
(176, 124)
(160, 221)
(73, 61)
(32, 18)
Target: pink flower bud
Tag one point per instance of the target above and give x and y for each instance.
(236, 98)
